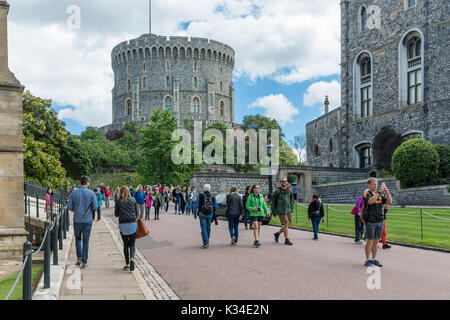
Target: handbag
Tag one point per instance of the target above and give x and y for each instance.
(142, 229)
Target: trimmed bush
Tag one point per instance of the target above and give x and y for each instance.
(415, 163)
(444, 160)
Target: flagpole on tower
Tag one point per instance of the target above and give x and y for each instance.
(150, 15)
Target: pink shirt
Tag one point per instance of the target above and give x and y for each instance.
(148, 200)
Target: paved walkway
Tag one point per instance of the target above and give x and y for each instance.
(104, 279)
(331, 268)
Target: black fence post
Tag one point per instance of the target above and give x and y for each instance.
(27, 271)
(37, 206)
(327, 216)
(421, 223)
(60, 229)
(47, 256)
(64, 223)
(55, 236)
(67, 219)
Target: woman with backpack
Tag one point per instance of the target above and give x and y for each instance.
(126, 210)
(234, 213)
(315, 214)
(256, 206)
(206, 206)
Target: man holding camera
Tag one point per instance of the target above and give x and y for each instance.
(374, 218)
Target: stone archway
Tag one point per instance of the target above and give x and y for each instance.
(304, 181)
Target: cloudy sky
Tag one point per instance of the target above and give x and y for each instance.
(287, 52)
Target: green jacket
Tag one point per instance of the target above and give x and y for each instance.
(159, 199)
(283, 202)
(254, 201)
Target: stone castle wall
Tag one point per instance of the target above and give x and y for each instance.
(383, 43)
(180, 68)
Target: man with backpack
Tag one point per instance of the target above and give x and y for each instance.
(283, 206)
(206, 206)
(373, 217)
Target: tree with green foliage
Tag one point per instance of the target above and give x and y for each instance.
(44, 140)
(415, 163)
(75, 159)
(157, 166)
(258, 122)
(444, 158)
(386, 141)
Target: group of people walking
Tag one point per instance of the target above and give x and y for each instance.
(130, 205)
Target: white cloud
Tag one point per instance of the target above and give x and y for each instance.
(277, 107)
(315, 94)
(285, 40)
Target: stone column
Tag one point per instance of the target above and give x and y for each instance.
(12, 231)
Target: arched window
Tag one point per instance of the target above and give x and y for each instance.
(362, 155)
(411, 57)
(168, 81)
(195, 82)
(365, 157)
(195, 105)
(128, 107)
(414, 70)
(222, 109)
(363, 19)
(316, 151)
(168, 104)
(363, 86)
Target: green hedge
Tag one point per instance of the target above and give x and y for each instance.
(415, 163)
(444, 160)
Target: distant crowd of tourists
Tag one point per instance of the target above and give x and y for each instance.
(131, 205)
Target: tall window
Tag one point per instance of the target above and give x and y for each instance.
(129, 85)
(195, 105)
(168, 104)
(365, 157)
(363, 19)
(331, 145)
(168, 81)
(316, 151)
(222, 109)
(128, 68)
(365, 85)
(411, 3)
(144, 83)
(195, 82)
(128, 108)
(144, 66)
(414, 70)
(221, 86)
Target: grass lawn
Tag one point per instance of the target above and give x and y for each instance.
(7, 283)
(403, 224)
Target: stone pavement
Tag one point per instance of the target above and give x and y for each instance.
(105, 279)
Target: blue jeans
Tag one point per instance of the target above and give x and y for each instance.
(315, 224)
(177, 204)
(233, 226)
(247, 218)
(205, 225)
(82, 233)
(194, 207)
(189, 207)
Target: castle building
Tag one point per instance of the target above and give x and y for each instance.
(191, 77)
(395, 71)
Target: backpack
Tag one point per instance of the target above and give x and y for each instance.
(208, 206)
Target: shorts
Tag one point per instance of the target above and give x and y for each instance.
(285, 218)
(257, 218)
(374, 230)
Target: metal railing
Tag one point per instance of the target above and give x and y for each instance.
(56, 215)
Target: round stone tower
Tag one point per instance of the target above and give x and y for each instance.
(192, 77)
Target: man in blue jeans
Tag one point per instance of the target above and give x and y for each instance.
(82, 202)
(207, 204)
